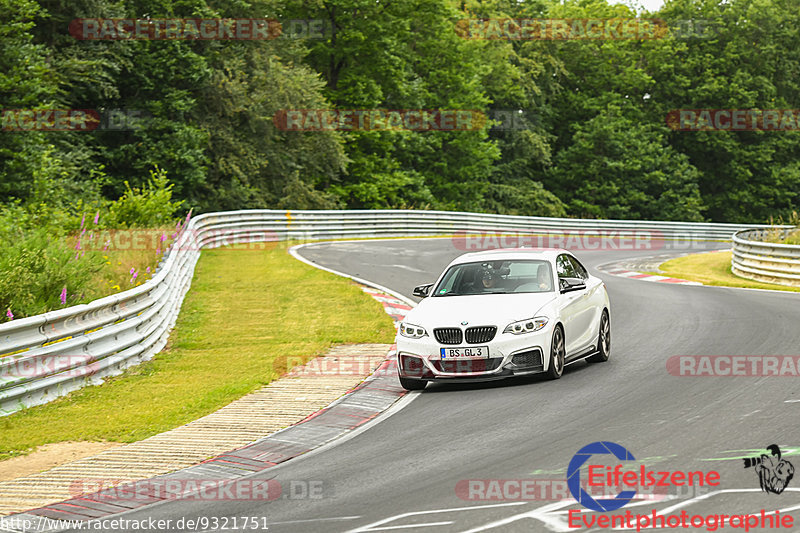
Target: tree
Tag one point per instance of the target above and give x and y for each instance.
(618, 168)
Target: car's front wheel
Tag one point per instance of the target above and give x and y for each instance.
(557, 355)
(603, 340)
(412, 384)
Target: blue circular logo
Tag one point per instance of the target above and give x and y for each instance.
(574, 476)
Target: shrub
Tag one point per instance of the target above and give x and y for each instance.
(149, 206)
(36, 268)
(45, 247)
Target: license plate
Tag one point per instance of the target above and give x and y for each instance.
(474, 352)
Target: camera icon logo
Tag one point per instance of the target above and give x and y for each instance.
(774, 473)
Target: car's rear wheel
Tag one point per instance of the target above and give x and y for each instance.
(412, 384)
(603, 340)
(557, 355)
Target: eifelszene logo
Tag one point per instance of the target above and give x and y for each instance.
(774, 473)
(615, 478)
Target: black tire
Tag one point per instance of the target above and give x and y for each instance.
(603, 340)
(413, 384)
(557, 354)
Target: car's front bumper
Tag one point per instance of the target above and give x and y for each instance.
(509, 355)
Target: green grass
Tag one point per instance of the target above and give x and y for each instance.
(246, 313)
(713, 269)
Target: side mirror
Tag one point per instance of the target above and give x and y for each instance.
(571, 284)
(422, 290)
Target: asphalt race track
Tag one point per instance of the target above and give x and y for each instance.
(402, 473)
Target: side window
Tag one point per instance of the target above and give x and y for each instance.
(448, 281)
(579, 269)
(447, 284)
(564, 267)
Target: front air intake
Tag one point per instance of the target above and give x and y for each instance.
(480, 334)
(448, 335)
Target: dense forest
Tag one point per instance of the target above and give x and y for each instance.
(575, 127)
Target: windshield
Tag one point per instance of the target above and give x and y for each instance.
(496, 277)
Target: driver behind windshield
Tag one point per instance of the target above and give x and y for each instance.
(493, 274)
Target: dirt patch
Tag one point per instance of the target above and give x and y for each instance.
(50, 455)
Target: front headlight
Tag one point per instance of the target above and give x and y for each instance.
(411, 331)
(526, 326)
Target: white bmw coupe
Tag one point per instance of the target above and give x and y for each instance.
(503, 313)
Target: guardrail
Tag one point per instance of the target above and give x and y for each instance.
(755, 259)
(46, 356)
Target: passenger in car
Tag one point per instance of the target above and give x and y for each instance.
(544, 278)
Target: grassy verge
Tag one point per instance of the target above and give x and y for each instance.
(121, 264)
(247, 311)
(713, 269)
